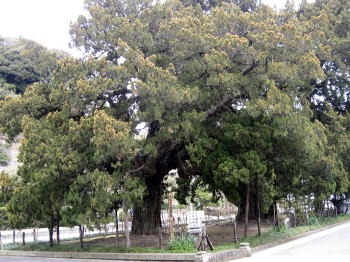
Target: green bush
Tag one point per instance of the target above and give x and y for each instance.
(281, 228)
(314, 220)
(183, 243)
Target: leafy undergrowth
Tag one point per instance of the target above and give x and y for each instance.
(274, 235)
(184, 243)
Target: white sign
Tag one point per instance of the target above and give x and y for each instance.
(194, 221)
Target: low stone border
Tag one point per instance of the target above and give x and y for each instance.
(104, 256)
(227, 255)
(137, 257)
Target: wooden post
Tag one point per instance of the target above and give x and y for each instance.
(277, 215)
(58, 228)
(327, 208)
(116, 229)
(306, 211)
(160, 238)
(81, 236)
(1, 245)
(246, 220)
(235, 229)
(51, 232)
(106, 230)
(209, 242)
(204, 238)
(126, 224)
(14, 237)
(123, 225)
(162, 220)
(24, 238)
(258, 210)
(170, 217)
(184, 216)
(34, 238)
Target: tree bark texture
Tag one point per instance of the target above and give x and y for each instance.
(147, 215)
(170, 217)
(258, 211)
(146, 218)
(246, 220)
(23, 238)
(58, 229)
(116, 229)
(127, 233)
(1, 245)
(81, 236)
(235, 230)
(51, 234)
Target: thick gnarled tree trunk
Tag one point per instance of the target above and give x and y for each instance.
(147, 215)
(146, 218)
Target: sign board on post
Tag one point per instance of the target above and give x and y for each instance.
(194, 221)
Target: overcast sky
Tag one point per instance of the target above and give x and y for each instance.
(47, 21)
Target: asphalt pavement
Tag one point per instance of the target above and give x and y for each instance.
(328, 245)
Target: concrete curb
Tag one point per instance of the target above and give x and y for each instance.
(227, 255)
(137, 257)
(103, 256)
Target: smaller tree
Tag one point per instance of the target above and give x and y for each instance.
(7, 187)
(53, 152)
(115, 181)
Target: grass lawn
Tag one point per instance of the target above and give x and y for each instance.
(64, 247)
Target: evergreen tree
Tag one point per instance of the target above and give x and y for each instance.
(222, 95)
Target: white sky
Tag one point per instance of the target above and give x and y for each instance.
(47, 21)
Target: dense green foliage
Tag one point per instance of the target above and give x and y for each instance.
(16, 72)
(249, 102)
(7, 186)
(4, 158)
(24, 62)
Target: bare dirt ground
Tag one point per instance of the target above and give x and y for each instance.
(219, 233)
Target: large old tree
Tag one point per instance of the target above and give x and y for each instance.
(203, 64)
(222, 96)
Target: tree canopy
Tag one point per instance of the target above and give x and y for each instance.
(234, 95)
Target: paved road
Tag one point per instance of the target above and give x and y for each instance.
(328, 245)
